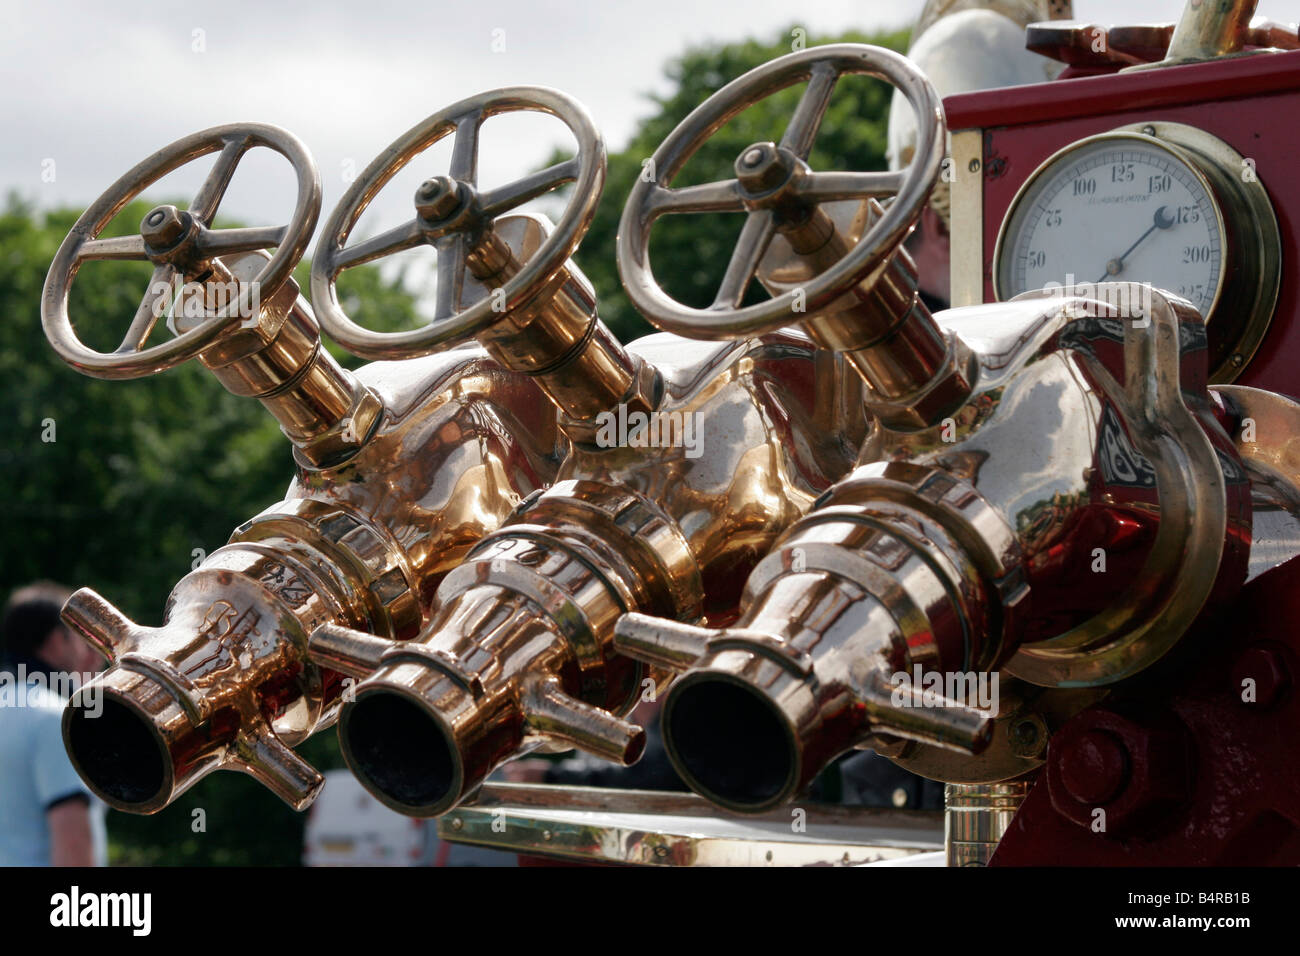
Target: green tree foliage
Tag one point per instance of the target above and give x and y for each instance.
(114, 485)
(690, 252)
(140, 473)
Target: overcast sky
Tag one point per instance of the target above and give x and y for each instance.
(91, 88)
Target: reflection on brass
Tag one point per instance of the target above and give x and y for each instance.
(1271, 442)
(855, 526)
(1206, 31)
(278, 359)
(516, 650)
(226, 681)
(654, 828)
(1209, 30)
(1025, 721)
(976, 815)
(1266, 433)
(937, 555)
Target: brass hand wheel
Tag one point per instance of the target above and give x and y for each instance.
(774, 184)
(452, 215)
(180, 244)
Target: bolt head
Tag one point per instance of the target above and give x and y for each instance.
(437, 198)
(1083, 764)
(163, 226)
(762, 167)
(1094, 767)
(1028, 736)
(1268, 669)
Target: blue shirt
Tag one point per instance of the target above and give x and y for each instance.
(35, 772)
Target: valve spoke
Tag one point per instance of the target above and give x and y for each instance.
(751, 245)
(828, 187)
(802, 131)
(403, 237)
(219, 242)
(120, 247)
(148, 314)
(451, 274)
(496, 201)
(464, 155)
(721, 196)
(208, 198)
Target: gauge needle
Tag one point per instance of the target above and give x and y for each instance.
(1162, 221)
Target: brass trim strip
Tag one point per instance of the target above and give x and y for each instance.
(966, 225)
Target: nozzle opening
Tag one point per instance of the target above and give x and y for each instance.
(730, 743)
(116, 751)
(401, 753)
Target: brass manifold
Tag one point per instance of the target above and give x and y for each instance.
(448, 652)
(396, 483)
(226, 682)
(926, 563)
(516, 652)
(516, 649)
(467, 568)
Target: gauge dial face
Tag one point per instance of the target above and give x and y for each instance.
(1114, 208)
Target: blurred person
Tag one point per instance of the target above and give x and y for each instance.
(48, 817)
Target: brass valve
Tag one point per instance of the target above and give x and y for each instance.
(940, 559)
(225, 682)
(504, 277)
(516, 651)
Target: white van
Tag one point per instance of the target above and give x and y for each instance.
(346, 826)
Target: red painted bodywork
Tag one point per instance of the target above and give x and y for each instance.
(1208, 779)
(1249, 102)
(1234, 796)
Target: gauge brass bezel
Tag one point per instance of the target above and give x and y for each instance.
(1123, 134)
(1250, 268)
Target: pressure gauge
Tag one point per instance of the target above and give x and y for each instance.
(1159, 203)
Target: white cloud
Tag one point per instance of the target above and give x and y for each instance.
(96, 87)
